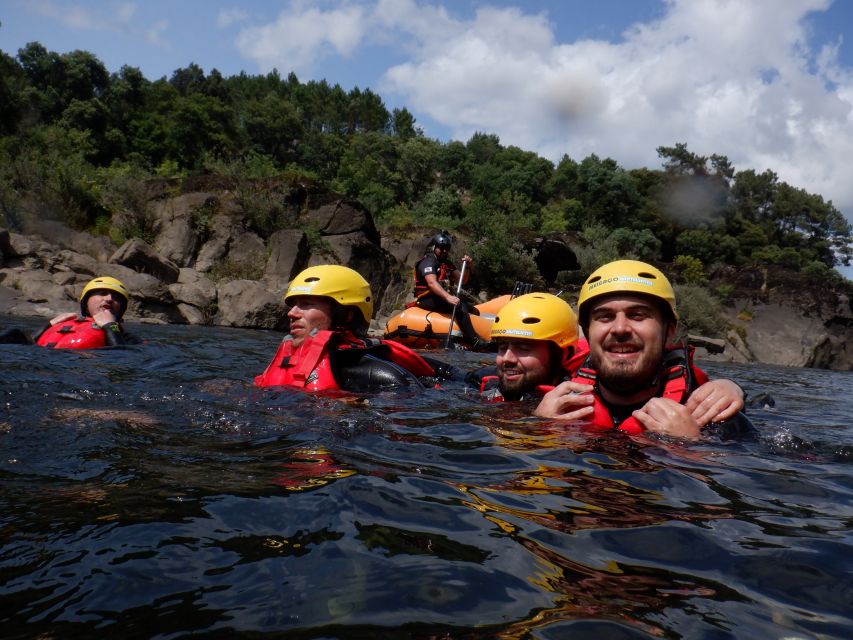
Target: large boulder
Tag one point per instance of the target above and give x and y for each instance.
(98, 247)
(138, 255)
(246, 303)
(38, 287)
(407, 249)
(177, 237)
(194, 288)
(331, 214)
(248, 252)
(288, 251)
(222, 229)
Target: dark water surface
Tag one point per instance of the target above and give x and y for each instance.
(152, 492)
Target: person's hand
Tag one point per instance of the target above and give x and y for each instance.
(104, 317)
(62, 317)
(715, 401)
(453, 300)
(665, 416)
(467, 258)
(567, 401)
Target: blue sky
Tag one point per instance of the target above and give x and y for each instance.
(768, 83)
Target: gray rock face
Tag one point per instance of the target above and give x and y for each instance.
(288, 252)
(56, 233)
(136, 254)
(332, 215)
(195, 295)
(246, 303)
(222, 229)
(247, 250)
(177, 238)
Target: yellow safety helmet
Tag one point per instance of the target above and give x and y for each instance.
(103, 283)
(341, 284)
(537, 316)
(625, 276)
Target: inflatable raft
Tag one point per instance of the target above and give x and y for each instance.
(421, 329)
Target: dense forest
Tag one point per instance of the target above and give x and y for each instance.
(74, 138)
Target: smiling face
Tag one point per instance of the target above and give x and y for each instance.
(309, 313)
(522, 366)
(627, 335)
(104, 300)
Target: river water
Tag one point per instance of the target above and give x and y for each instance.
(152, 492)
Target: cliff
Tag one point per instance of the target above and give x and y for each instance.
(206, 263)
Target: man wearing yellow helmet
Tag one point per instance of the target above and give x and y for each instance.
(103, 303)
(535, 336)
(632, 379)
(327, 348)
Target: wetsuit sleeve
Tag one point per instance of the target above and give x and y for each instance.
(444, 371)
(475, 378)
(735, 428)
(114, 335)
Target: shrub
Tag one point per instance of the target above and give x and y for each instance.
(690, 270)
(699, 312)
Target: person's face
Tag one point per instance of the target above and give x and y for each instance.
(627, 335)
(441, 252)
(309, 313)
(103, 300)
(522, 366)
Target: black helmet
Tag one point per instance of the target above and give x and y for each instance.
(441, 239)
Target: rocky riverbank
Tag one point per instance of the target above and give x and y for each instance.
(204, 265)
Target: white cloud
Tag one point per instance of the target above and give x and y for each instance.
(723, 76)
(303, 34)
(116, 17)
(227, 17)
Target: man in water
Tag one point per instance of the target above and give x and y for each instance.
(103, 303)
(327, 348)
(435, 276)
(632, 380)
(535, 335)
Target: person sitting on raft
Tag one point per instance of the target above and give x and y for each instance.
(103, 303)
(632, 378)
(327, 348)
(435, 276)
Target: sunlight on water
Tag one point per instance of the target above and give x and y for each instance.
(154, 488)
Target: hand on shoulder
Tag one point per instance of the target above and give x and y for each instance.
(567, 401)
(666, 416)
(62, 317)
(715, 401)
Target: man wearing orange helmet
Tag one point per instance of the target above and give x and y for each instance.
(632, 378)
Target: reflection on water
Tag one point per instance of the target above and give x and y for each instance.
(152, 492)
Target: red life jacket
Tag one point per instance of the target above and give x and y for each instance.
(679, 376)
(77, 333)
(308, 366)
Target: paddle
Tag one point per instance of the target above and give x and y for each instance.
(453, 314)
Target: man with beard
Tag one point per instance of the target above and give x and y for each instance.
(535, 336)
(632, 379)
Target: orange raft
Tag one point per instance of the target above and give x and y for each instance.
(421, 329)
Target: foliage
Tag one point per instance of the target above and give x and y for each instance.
(78, 143)
(690, 270)
(698, 311)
